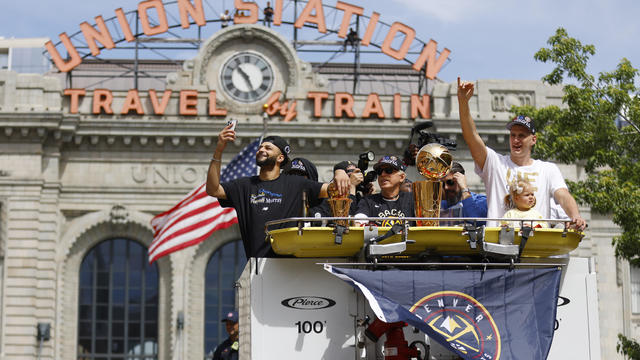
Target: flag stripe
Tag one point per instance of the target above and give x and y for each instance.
(194, 222)
(193, 209)
(198, 215)
(191, 238)
(161, 219)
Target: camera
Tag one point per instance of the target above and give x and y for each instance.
(425, 137)
(363, 165)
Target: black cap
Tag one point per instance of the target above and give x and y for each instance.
(392, 161)
(231, 316)
(524, 121)
(456, 167)
(281, 144)
(302, 166)
(343, 165)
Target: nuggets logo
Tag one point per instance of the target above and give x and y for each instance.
(463, 322)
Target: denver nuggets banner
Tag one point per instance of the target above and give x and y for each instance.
(482, 315)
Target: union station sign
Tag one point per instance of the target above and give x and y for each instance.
(249, 76)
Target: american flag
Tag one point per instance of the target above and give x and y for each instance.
(198, 215)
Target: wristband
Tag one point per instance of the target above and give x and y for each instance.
(466, 190)
(214, 159)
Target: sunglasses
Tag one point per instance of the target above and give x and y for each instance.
(450, 182)
(385, 170)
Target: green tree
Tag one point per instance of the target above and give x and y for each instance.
(598, 129)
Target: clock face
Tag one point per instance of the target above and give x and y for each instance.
(247, 77)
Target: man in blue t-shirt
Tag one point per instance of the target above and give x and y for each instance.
(458, 201)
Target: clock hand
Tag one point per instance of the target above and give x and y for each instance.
(246, 77)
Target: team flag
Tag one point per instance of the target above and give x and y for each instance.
(496, 314)
(198, 215)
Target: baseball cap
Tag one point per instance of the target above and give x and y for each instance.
(343, 165)
(390, 160)
(524, 121)
(302, 166)
(281, 144)
(231, 316)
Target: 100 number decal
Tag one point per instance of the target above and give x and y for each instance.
(307, 327)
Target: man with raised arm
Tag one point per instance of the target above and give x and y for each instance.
(267, 196)
(498, 171)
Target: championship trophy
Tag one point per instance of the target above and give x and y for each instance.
(433, 162)
(339, 205)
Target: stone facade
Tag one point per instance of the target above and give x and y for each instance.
(69, 181)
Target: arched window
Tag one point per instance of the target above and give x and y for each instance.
(118, 303)
(223, 270)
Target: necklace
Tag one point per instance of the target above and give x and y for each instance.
(391, 199)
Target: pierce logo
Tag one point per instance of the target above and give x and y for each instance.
(463, 322)
(308, 303)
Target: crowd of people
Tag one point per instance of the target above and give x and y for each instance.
(517, 186)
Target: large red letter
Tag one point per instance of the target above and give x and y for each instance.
(91, 35)
(61, 64)
(159, 107)
(102, 99)
(132, 102)
(318, 97)
(188, 102)
(428, 55)
(343, 104)
(349, 10)
(409, 35)
(423, 107)
(251, 7)
(197, 12)
(74, 98)
(162, 26)
(317, 19)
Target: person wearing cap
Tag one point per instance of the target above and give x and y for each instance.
(355, 178)
(458, 200)
(228, 349)
(267, 196)
(497, 171)
(390, 202)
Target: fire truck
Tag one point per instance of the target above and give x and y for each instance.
(298, 307)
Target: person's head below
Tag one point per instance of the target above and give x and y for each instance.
(273, 152)
(522, 138)
(302, 167)
(521, 196)
(452, 190)
(390, 171)
(231, 323)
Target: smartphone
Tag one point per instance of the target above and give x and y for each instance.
(233, 123)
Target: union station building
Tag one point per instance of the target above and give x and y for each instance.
(90, 155)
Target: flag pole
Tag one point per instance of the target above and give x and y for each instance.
(265, 122)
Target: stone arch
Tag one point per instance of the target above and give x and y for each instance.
(196, 267)
(81, 235)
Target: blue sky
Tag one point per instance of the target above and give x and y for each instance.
(489, 39)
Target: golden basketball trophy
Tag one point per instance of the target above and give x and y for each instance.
(433, 162)
(339, 205)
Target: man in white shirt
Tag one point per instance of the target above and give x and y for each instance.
(497, 171)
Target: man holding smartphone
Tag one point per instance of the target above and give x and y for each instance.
(267, 196)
